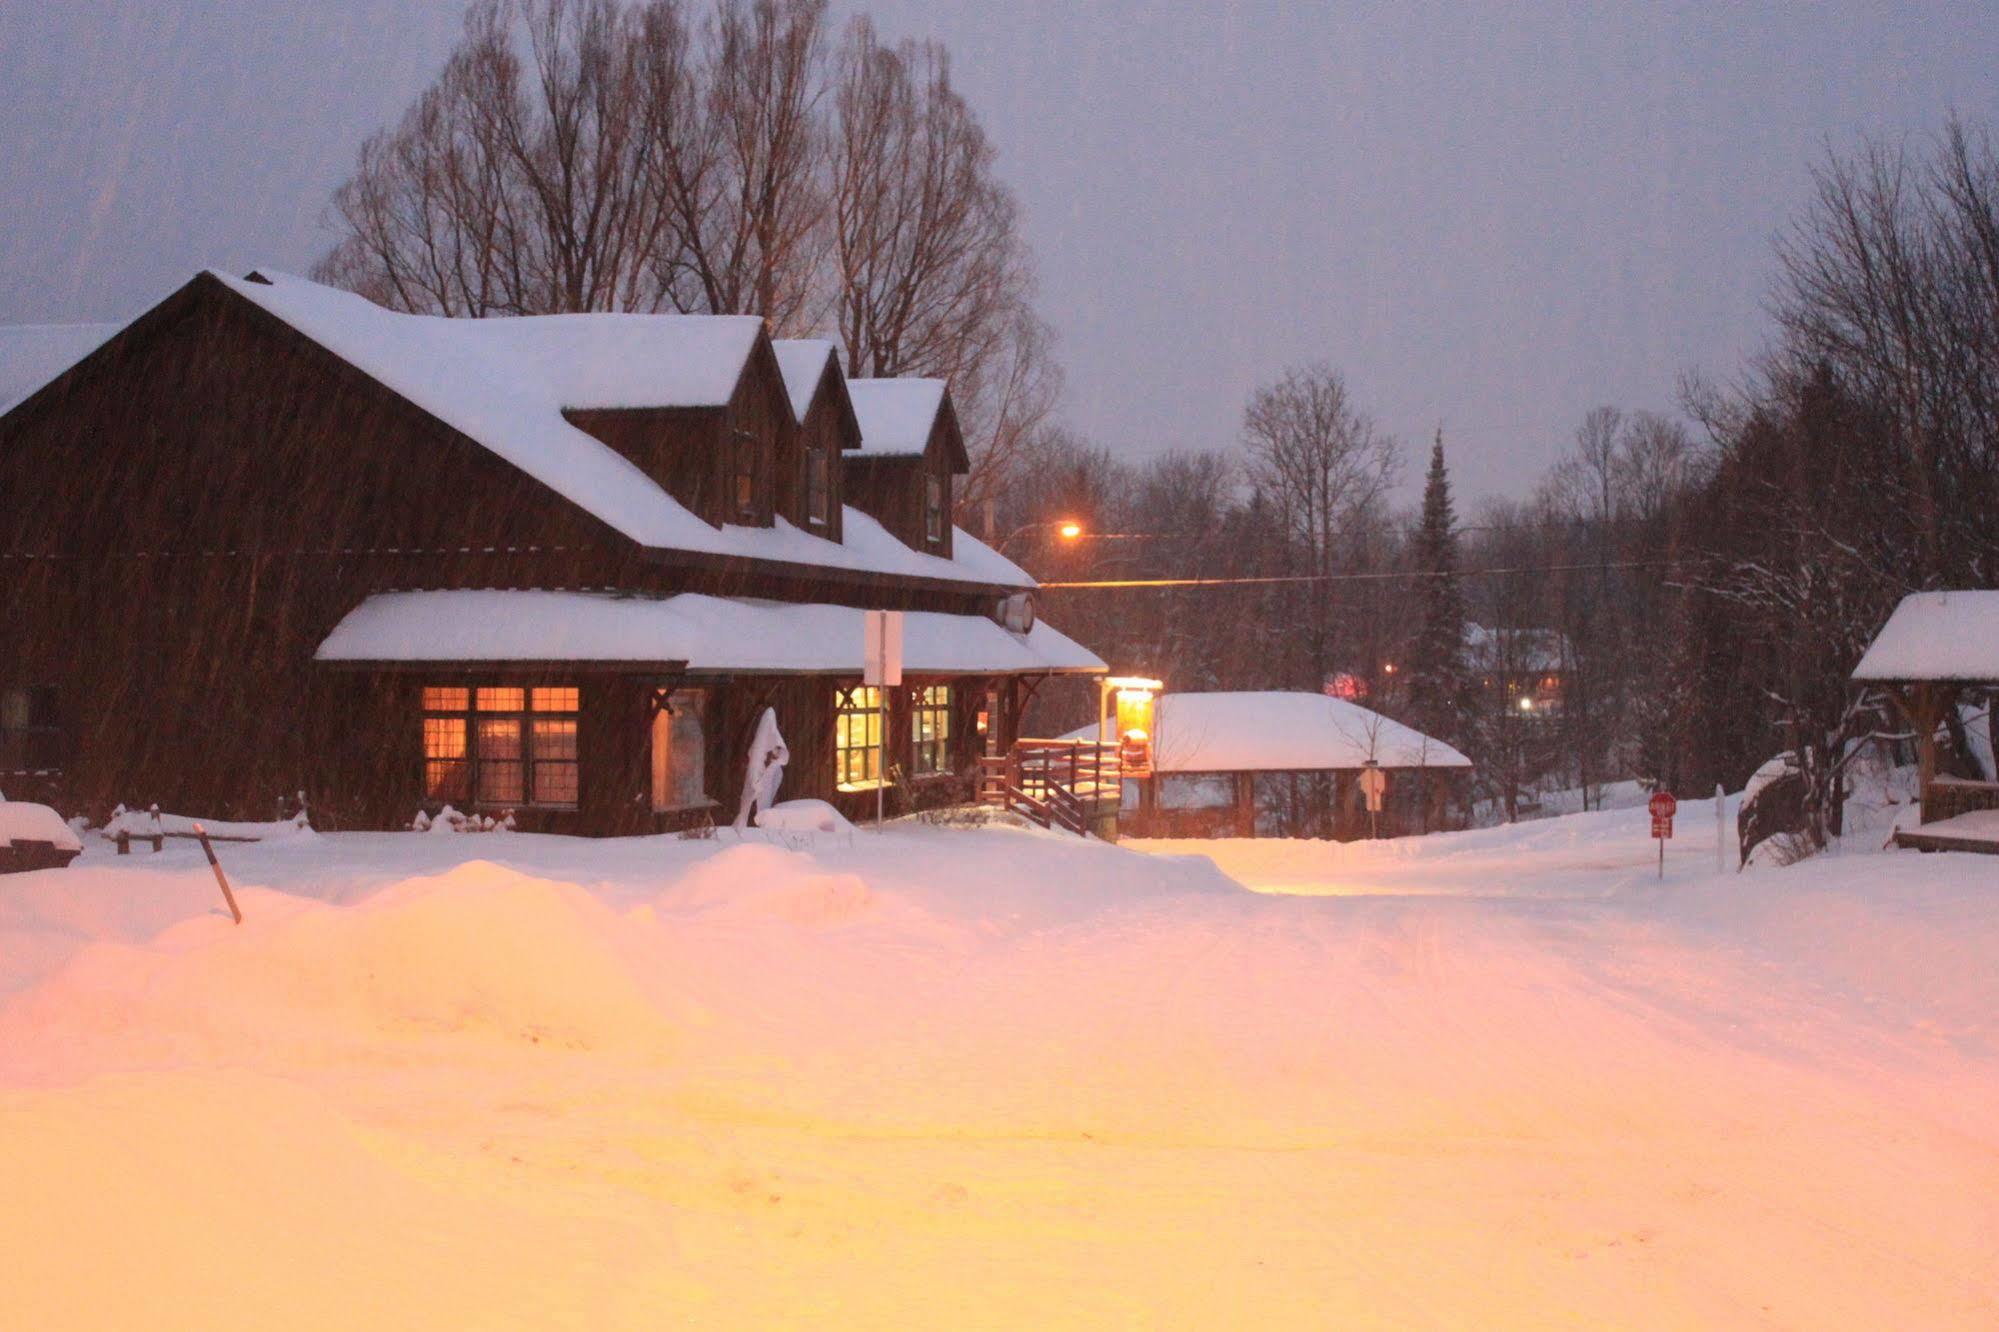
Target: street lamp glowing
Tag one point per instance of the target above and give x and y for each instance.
(1526, 705)
(1070, 530)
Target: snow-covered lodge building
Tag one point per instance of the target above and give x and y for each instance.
(1288, 764)
(270, 537)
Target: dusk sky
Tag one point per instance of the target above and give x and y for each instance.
(1492, 217)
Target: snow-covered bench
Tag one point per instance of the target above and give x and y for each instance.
(34, 837)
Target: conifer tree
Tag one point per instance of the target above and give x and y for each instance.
(1438, 702)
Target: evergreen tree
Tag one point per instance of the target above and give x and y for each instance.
(1438, 701)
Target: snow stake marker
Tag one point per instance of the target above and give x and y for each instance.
(1663, 806)
(209, 850)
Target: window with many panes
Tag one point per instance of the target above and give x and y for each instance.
(857, 735)
(933, 507)
(30, 731)
(509, 745)
(818, 487)
(930, 729)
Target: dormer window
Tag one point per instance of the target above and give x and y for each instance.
(933, 507)
(818, 487)
(746, 475)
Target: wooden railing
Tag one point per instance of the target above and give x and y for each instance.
(1054, 783)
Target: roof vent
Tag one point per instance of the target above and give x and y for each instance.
(254, 276)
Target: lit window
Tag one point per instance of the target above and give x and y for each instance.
(930, 730)
(554, 762)
(679, 752)
(500, 769)
(500, 745)
(857, 738)
(447, 762)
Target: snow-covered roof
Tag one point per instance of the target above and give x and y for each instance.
(1937, 636)
(802, 362)
(1277, 731)
(896, 415)
(33, 354)
(710, 634)
(504, 383)
(1515, 649)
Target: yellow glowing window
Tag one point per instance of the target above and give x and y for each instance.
(501, 745)
(857, 738)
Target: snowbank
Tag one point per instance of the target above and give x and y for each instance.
(1002, 1078)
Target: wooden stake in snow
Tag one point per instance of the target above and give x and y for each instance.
(208, 849)
(1720, 831)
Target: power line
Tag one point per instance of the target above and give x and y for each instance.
(1357, 577)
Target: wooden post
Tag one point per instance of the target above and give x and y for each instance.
(208, 850)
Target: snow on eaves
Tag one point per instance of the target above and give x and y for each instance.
(504, 383)
(33, 354)
(1277, 731)
(710, 634)
(896, 415)
(1937, 636)
(802, 363)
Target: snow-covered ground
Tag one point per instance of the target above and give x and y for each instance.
(995, 1078)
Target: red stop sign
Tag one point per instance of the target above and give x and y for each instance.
(1662, 805)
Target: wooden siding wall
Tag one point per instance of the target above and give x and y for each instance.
(1417, 801)
(189, 515)
(890, 490)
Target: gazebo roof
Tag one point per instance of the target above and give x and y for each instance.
(1936, 637)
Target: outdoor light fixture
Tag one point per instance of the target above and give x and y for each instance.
(1126, 712)
(1526, 705)
(1070, 530)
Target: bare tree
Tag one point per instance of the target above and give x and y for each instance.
(930, 273)
(1324, 467)
(512, 186)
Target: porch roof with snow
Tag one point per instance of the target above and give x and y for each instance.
(1278, 731)
(689, 631)
(1936, 637)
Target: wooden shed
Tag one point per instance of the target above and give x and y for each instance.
(1935, 649)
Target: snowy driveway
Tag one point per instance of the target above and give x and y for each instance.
(999, 1079)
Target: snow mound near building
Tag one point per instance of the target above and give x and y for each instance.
(481, 953)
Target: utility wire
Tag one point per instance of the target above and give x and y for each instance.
(1358, 577)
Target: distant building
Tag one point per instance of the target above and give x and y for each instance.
(1280, 764)
(1525, 670)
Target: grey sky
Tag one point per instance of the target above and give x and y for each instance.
(1493, 216)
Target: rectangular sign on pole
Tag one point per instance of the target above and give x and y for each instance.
(881, 655)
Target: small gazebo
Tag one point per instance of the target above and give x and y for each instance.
(1934, 647)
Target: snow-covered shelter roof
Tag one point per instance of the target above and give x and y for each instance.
(707, 633)
(33, 354)
(802, 362)
(896, 415)
(505, 383)
(1941, 636)
(1278, 731)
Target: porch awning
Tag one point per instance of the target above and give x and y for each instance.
(1936, 637)
(700, 634)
